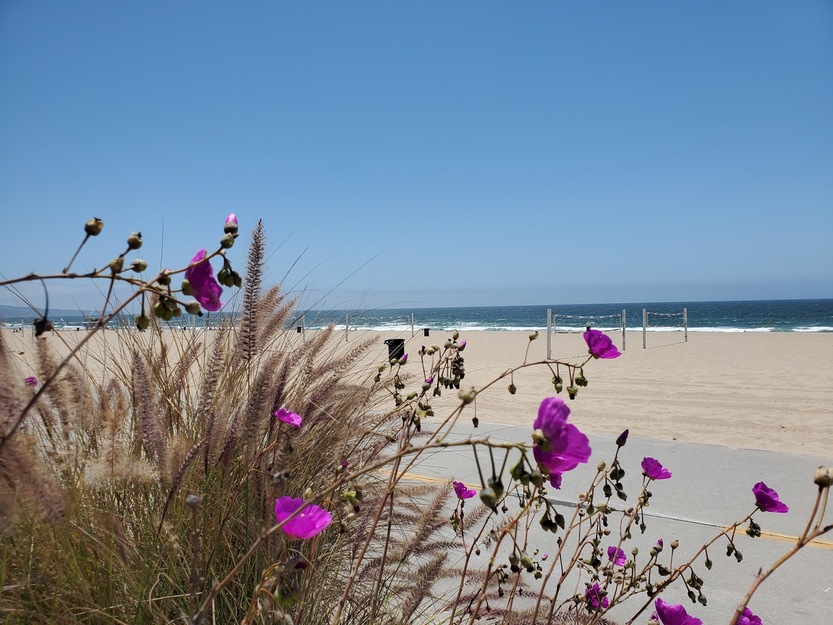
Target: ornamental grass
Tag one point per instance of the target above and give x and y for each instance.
(244, 475)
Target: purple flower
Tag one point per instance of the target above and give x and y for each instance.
(429, 379)
(289, 417)
(660, 543)
(600, 344)
(31, 381)
(310, 522)
(404, 359)
(462, 491)
(462, 345)
(232, 219)
(564, 446)
(616, 555)
(749, 618)
(674, 614)
(654, 470)
(201, 277)
(595, 599)
(767, 499)
(555, 480)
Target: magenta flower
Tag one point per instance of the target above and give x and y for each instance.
(462, 345)
(429, 379)
(555, 480)
(600, 344)
(616, 555)
(660, 543)
(674, 614)
(462, 491)
(749, 618)
(201, 277)
(289, 417)
(654, 470)
(595, 599)
(310, 522)
(404, 359)
(767, 499)
(31, 381)
(564, 446)
(232, 219)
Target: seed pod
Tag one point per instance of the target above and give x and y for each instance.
(93, 227)
(134, 241)
(227, 241)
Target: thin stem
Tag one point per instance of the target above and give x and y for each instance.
(71, 260)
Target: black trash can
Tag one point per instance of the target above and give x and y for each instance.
(396, 348)
(424, 331)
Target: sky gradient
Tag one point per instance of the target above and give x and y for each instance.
(430, 153)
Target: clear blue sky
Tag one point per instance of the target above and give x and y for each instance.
(429, 153)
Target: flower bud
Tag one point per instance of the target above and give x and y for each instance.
(134, 241)
(601, 466)
(139, 265)
(512, 389)
(164, 278)
(467, 396)
(93, 227)
(823, 477)
(489, 498)
(238, 280)
(177, 312)
(572, 391)
(539, 438)
(455, 335)
(142, 322)
(117, 264)
(533, 336)
(675, 544)
(231, 224)
(193, 308)
(227, 241)
(622, 439)
(187, 289)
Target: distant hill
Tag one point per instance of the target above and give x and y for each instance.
(15, 313)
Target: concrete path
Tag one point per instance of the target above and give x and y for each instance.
(711, 488)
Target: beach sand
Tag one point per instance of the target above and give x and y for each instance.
(770, 390)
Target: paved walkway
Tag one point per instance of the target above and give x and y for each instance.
(711, 488)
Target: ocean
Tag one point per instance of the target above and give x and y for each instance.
(814, 315)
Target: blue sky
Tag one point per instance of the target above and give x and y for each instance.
(428, 153)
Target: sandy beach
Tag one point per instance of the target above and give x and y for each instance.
(767, 390)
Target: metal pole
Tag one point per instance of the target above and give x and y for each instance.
(624, 326)
(549, 333)
(346, 327)
(304, 328)
(685, 323)
(412, 325)
(644, 327)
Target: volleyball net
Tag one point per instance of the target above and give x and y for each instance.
(613, 323)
